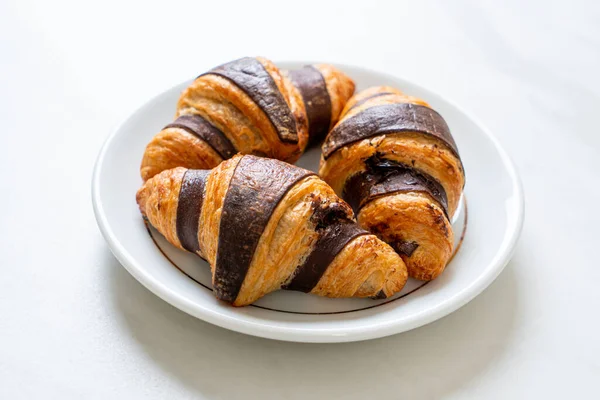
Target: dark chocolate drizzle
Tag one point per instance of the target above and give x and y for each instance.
(189, 207)
(251, 76)
(387, 119)
(312, 87)
(256, 188)
(196, 125)
(383, 177)
(363, 101)
(336, 231)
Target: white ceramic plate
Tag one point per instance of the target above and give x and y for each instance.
(495, 214)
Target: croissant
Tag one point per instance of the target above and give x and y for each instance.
(247, 106)
(265, 225)
(393, 159)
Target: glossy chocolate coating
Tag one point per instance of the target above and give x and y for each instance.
(313, 89)
(387, 119)
(256, 188)
(251, 76)
(383, 177)
(189, 207)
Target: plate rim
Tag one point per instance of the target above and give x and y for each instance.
(319, 335)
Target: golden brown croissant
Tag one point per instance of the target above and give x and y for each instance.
(248, 106)
(264, 225)
(394, 160)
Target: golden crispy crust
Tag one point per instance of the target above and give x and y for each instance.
(364, 94)
(174, 147)
(412, 217)
(228, 108)
(232, 111)
(378, 95)
(364, 267)
(246, 125)
(158, 200)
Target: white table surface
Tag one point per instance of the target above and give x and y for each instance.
(74, 324)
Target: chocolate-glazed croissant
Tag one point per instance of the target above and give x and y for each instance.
(325, 91)
(394, 160)
(248, 106)
(264, 225)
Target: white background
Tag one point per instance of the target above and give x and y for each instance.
(74, 324)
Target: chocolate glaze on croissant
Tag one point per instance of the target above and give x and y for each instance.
(325, 91)
(264, 225)
(394, 160)
(253, 78)
(249, 106)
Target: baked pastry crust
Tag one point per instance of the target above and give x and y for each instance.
(249, 103)
(393, 158)
(265, 225)
(173, 147)
(251, 107)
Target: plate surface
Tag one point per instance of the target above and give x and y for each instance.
(493, 198)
